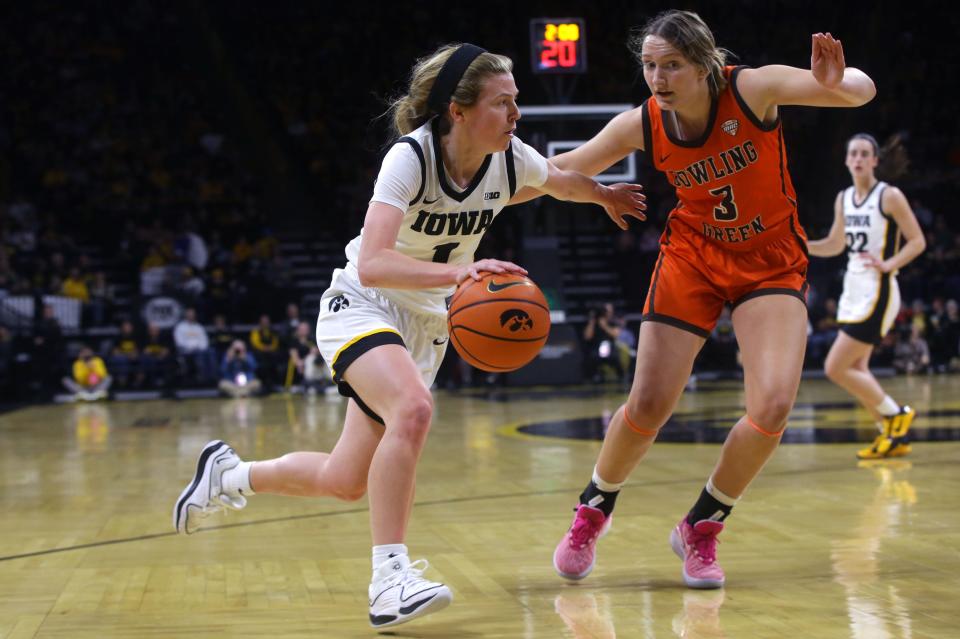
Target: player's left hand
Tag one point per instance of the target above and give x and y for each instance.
(871, 261)
(621, 200)
(826, 60)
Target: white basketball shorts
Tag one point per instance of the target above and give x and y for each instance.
(869, 305)
(355, 319)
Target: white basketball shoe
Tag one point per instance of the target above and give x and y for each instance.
(205, 494)
(399, 593)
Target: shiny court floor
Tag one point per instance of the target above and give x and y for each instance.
(820, 546)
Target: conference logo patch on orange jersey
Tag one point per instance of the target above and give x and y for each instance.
(731, 126)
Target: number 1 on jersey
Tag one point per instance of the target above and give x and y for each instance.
(441, 252)
(727, 211)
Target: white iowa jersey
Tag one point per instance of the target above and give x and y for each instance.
(441, 222)
(868, 295)
(868, 229)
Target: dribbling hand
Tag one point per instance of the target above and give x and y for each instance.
(621, 200)
(489, 266)
(826, 60)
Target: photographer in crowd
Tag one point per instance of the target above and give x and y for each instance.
(237, 372)
(604, 345)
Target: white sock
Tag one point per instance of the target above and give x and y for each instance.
(888, 406)
(386, 551)
(605, 486)
(237, 479)
(716, 493)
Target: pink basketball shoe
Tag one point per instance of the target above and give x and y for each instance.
(577, 551)
(697, 546)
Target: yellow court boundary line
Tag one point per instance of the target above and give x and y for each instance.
(512, 430)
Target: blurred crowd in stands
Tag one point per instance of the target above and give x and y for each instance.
(149, 149)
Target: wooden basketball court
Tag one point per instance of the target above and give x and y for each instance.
(820, 546)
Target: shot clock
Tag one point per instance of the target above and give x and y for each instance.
(558, 45)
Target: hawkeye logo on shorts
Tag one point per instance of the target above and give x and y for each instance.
(337, 303)
(730, 127)
(516, 320)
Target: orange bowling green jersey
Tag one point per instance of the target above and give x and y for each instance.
(732, 183)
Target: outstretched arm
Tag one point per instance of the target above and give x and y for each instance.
(619, 138)
(835, 241)
(618, 200)
(828, 83)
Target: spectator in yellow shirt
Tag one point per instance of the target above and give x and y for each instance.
(75, 286)
(90, 380)
(265, 344)
(155, 257)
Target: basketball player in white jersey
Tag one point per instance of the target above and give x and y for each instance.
(870, 217)
(382, 324)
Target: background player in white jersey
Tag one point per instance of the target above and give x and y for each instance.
(382, 323)
(870, 217)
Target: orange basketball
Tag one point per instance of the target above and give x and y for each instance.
(499, 323)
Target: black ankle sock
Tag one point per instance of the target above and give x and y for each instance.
(599, 499)
(707, 507)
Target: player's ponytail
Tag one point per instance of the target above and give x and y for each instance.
(412, 110)
(691, 36)
(893, 161)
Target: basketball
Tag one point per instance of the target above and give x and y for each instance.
(499, 323)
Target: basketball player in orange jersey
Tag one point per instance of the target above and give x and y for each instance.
(869, 218)
(733, 238)
(382, 325)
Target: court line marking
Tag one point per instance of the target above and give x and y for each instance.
(436, 502)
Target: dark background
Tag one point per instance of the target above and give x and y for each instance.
(126, 124)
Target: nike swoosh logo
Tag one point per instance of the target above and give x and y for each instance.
(417, 593)
(665, 157)
(379, 620)
(425, 201)
(440, 342)
(380, 594)
(493, 287)
(406, 610)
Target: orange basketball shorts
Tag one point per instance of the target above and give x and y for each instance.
(695, 277)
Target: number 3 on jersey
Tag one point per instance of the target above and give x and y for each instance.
(727, 210)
